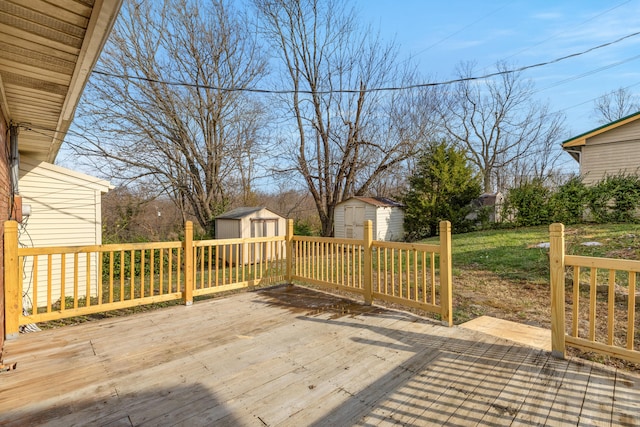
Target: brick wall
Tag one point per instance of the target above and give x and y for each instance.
(5, 193)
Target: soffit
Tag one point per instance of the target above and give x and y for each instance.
(47, 52)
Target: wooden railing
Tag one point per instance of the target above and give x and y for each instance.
(401, 273)
(43, 284)
(594, 311)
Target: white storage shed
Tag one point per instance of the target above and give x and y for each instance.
(248, 222)
(386, 214)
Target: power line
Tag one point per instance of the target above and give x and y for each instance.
(456, 32)
(369, 90)
(562, 32)
(587, 73)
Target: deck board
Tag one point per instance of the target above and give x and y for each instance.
(290, 356)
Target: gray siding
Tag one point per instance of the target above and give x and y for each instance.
(227, 228)
(627, 132)
(599, 160)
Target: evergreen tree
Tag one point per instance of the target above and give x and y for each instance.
(442, 188)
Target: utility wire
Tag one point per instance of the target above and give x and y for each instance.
(562, 32)
(420, 52)
(369, 90)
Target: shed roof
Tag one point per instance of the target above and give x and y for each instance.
(242, 212)
(377, 201)
(581, 139)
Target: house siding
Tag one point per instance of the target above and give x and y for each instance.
(64, 212)
(627, 132)
(5, 195)
(600, 159)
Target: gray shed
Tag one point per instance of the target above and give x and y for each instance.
(248, 222)
(387, 216)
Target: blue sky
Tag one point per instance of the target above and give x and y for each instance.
(441, 34)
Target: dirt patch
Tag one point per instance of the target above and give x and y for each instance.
(482, 293)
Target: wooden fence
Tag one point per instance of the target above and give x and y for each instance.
(401, 273)
(43, 284)
(595, 305)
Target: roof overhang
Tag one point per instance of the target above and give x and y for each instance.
(580, 140)
(47, 52)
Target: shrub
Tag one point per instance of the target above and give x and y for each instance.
(568, 203)
(528, 204)
(615, 199)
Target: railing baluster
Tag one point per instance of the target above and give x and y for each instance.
(75, 281)
(433, 278)
(49, 285)
(592, 303)
(161, 271)
(575, 320)
(111, 256)
(415, 275)
(122, 275)
(152, 261)
(424, 276)
(611, 306)
(63, 276)
(631, 309)
(99, 276)
(34, 303)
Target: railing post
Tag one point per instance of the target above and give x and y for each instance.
(556, 259)
(187, 293)
(368, 265)
(446, 288)
(12, 291)
(289, 250)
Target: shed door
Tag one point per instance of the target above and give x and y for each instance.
(354, 222)
(262, 228)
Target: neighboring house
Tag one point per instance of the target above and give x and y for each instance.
(611, 149)
(47, 52)
(64, 210)
(248, 222)
(387, 216)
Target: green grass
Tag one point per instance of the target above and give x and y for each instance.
(510, 253)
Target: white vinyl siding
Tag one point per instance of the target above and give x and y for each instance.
(598, 160)
(389, 224)
(349, 217)
(65, 211)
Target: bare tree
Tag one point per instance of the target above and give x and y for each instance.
(341, 144)
(197, 142)
(498, 124)
(615, 105)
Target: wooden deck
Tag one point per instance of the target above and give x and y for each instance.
(288, 356)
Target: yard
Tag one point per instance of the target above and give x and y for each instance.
(501, 273)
